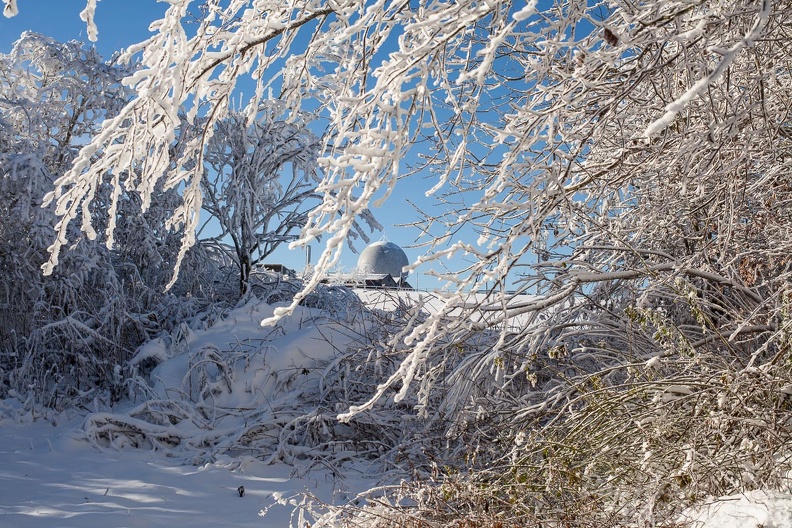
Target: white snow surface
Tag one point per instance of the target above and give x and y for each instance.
(49, 478)
(754, 509)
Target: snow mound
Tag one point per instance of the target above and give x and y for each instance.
(237, 388)
(754, 509)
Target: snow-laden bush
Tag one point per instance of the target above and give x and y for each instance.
(236, 387)
(627, 423)
(65, 339)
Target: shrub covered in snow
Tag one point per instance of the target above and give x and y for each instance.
(65, 339)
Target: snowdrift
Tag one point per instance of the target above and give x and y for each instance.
(238, 387)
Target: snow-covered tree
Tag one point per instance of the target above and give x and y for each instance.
(259, 183)
(67, 333)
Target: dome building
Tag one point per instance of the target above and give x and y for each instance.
(383, 258)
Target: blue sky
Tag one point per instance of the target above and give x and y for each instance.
(125, 22)
(121, 22)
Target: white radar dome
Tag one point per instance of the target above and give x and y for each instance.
(383, 257)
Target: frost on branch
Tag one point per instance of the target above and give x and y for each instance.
(67, 335)
(728, 56)
(257, 201)
(87, 16)
(10, 9)
(177, 71)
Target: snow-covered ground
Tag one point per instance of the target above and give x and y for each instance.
(50, 479)
(755, 509)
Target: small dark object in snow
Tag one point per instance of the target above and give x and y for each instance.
(610, 37)
(241, 490)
